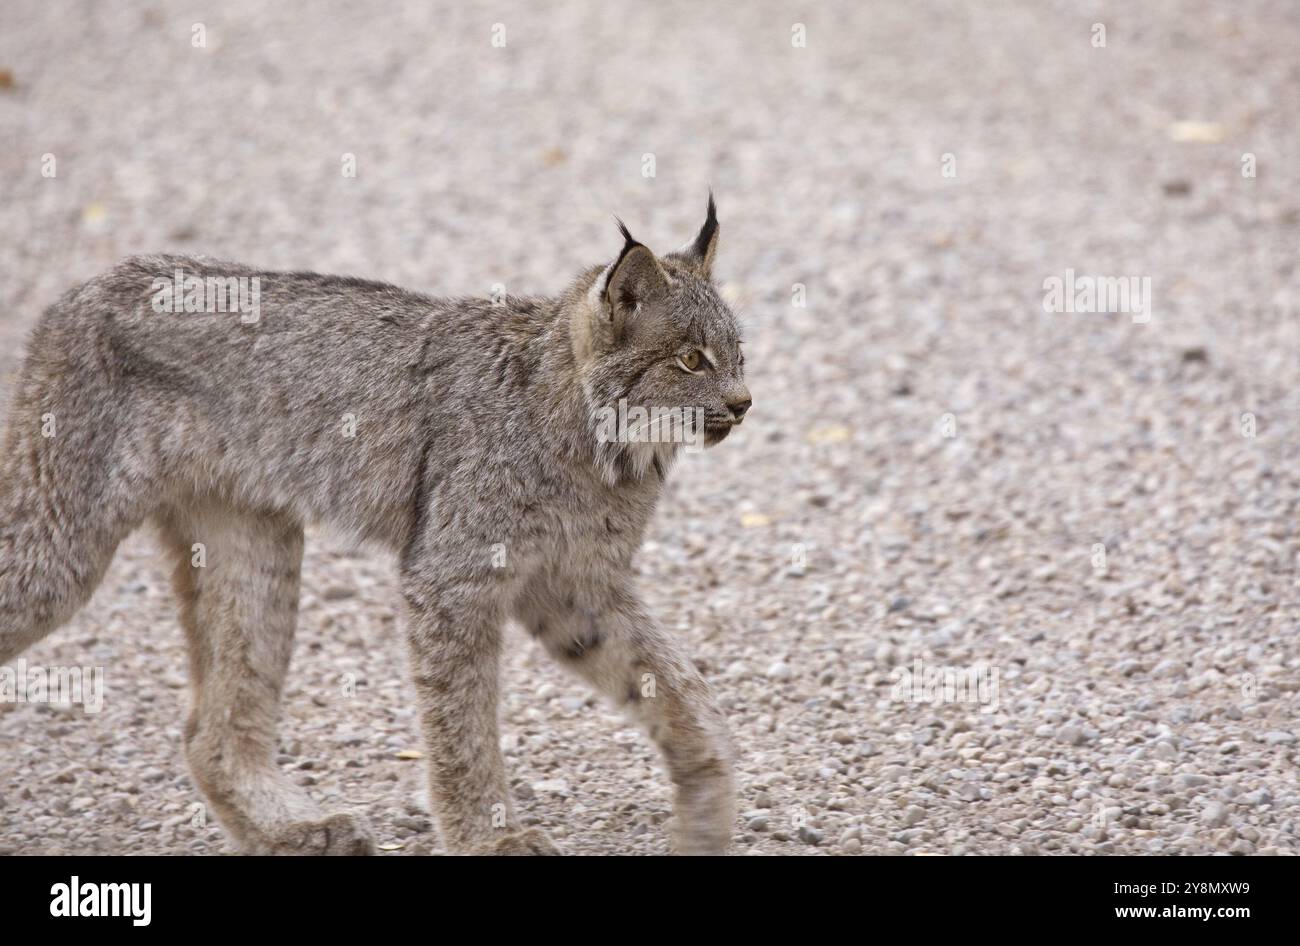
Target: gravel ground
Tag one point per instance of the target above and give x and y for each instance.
(935, 469)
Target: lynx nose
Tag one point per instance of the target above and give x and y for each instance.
(738, 408)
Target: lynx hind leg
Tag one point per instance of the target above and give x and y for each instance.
(54, 550)
(624, 654)
(70, 491)
(236, 574)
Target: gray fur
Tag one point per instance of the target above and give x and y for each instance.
(473, 458)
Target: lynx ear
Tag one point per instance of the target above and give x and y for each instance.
(700, 253)
(635, 277)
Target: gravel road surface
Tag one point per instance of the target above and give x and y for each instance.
(1090, 516)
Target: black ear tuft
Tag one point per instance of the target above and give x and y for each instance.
(629, 243)
(635, 276)
(702, 242)
(699, 253)
(628, 239)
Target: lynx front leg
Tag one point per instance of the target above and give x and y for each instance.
(455, 645)
(239, 604)
(624, 654)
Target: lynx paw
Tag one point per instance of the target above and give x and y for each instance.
(341, 834)
(530, 841)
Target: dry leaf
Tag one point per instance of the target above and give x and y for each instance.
(1196, 132)
(410, 754)
(835, 433)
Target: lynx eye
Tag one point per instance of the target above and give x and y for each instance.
(690, 361)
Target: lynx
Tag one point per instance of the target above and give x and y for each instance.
(459, 433)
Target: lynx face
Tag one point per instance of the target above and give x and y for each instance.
(665, 342)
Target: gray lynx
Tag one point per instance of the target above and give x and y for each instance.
(460, 433)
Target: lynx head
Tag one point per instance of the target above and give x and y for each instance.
(659, 351)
